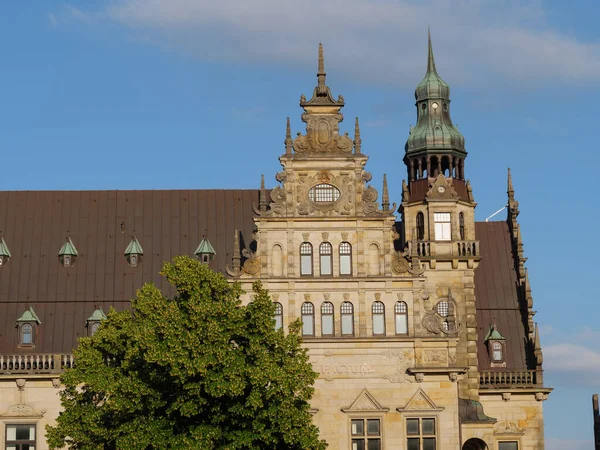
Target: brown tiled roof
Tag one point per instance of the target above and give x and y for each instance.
(100, 224)
(497, 295)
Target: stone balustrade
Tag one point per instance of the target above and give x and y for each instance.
(509, 378)
(456, 249)
(35, 363)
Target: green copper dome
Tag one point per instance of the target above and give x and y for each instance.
(432, 85)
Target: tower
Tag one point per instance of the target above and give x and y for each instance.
(438, 217)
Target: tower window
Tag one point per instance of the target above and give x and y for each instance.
(308, 319)
(420, 226)
(347, 310)
(378, 312)
(306, 259)
(278, 316)
(327, 328)
(323, 193)
(442, 226)
(461, 226)
(401, 312)
(345, 258)
(325, 257)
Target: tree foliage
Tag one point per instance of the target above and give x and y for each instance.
(198, 371)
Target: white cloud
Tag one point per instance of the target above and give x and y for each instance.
(381, 40)
(571, 358)
(568, 444)
(52, 20)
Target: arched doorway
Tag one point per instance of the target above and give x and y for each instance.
(475, 444)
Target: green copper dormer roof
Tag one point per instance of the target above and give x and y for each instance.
(29, 316)
(68, 248)
(134, 247)
(493, 335)
(432, 85)
(4, 251)
(97, 316)
(205, 248)
(434, 133)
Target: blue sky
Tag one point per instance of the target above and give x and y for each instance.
(150, 94)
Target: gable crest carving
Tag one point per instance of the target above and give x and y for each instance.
(440, 189)
(420, 401)
(322, 135)
(365, 402)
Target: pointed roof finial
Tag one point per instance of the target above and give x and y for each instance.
(288, 138)
(262, 201)
(430, 61)
(385, 196)
(511, 190)
(357, 139)
(321, 69)
(321, 75)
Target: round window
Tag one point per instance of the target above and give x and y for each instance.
(323, 193)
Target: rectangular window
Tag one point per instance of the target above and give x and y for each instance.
(327, 324)
(20, 437)
(442, 226)
(512, 445)
(421, 434)
(326, 265)
(308, 326)
(366, 434)
(306, 265)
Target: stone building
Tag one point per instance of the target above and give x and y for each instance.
(421, 329)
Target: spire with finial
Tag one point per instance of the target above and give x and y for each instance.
(321, 75)
(321, 94)
(537, 348)
(288, 138)
(430, 60)
(385, 196)
(263, 204)
(357, 139)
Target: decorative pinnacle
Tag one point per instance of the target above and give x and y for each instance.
(538, 344)
(385, 196)
(430, 61)
(288, 138)
(236, 251)
(357, 139)
(262, 201)
(510, 191)
(321, 75)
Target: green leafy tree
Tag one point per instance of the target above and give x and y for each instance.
(199, 371)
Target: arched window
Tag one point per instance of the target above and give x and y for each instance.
(26, 334)
(461, 226)
(347, 310)
(420, 226)
(306, 265)
(373, 259)
(345, 258)
(327, 328)
(308, 319)
(323, 193)
(325, 258)
(94, 328)
(278, 316)
(277, 261)
(401, 312)
(497, 355)
(378, 312)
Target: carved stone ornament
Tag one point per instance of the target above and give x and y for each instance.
(277, 205)
(508, 428)
(419, 377)
(404, 359)
(23, 410)
(365, 402)
(343, 206)
(541, 396)
(252, 264)
(322, 136)
(420, 401)
(56, 383)
(441, 190)
(506, 396)
(400, 265)
(453, 376)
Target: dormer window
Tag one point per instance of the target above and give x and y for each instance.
(94, 321)
(26, 325)
(205, 251)
(68, 253)
(4, 253)
(134, 252)
(495, 344)
(323, 193)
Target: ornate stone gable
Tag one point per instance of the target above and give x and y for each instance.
(365, 402)
(441, 189)
(420, 401)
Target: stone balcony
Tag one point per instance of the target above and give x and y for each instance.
(444, 249)
(35, 363)
(510, 379)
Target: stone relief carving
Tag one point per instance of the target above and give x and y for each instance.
(420, 401)
(21, 408)
(405, 359)
(508, 427)
(56, 383)
(441, 190)
(344, 205)
(365, 402)
(436, 324)
(435, 357)
(322, 136)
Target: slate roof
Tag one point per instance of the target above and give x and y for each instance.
(168, 223)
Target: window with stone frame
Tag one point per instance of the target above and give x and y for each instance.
(378, 313)
(421, 433)
(308, 319)
(442, 226)
(347, 313)
(278, 316)
(497, 352)
(345, 258)
(508, 445)
(461, 226)
(20, 436)
(306, 256)
(326, 258)
(401, 312)
(27, 335)
(445, 309)
(420, 226)
(327, 319)
(366, 434)
(324, 193)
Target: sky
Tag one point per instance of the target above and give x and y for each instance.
(157, 94)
